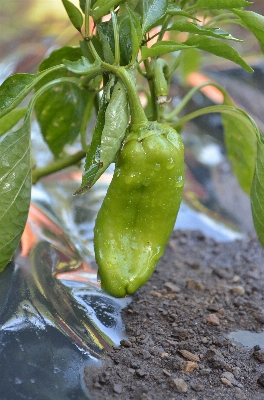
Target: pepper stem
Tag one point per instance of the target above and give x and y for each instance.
(138, 117)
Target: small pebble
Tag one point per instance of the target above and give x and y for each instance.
(125, 343)
(194, 285)
(236, 371)
(235, 279)
(189, 366)
(180, 385)
(259, 355)
(221, 312)
(239, 290)
(102, 378)
(239, 395)
(213, 307)
(215, 359)
(131, 370)
(260, 317)
(134, 364)
(226, 382)
(223, 273)
(205, 371)
(182, 334)
(117, 388)
(154, 293)
(193, 263)
(261, 380)
(229, 376)
(196, 387)
(172, 287)
(140, 373)
(213, 319)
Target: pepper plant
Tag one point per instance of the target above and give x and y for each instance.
(120, 41)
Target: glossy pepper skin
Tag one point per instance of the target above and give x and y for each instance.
(140, 208)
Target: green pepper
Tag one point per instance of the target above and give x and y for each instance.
(140, 208)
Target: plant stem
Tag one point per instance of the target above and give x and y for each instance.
(87, 18)
(174, 65)
(161, 76)
(57, 166)
(191, 93)
(226, 109)
(152, 88)
(138, 117)
(220, 17)
(164, 27)
(143, 73)
(116, 37)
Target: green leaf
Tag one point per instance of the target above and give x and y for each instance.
(92, 161)
(152, 11)
(174, 10)
(11, 119)
(221, 4)
(103, 7)
(125, 39)
(185, 26)
(218, 48)
(131, 4)
(162, 48)
(83, 3)
(86, 52)
(254, 22)
(106, 36)
(115, 123)
(58, 56)
(74, 14)
(15, 189)
(257, 193)
(190, 61)
(16, 87)
(241, 135)
(59, 112)
(130, 37)
(241, 145)
(60, 109)
(83, 67)
(136, 33)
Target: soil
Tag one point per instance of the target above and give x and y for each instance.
(177, 326)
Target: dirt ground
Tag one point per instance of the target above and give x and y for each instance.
(177, 325)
